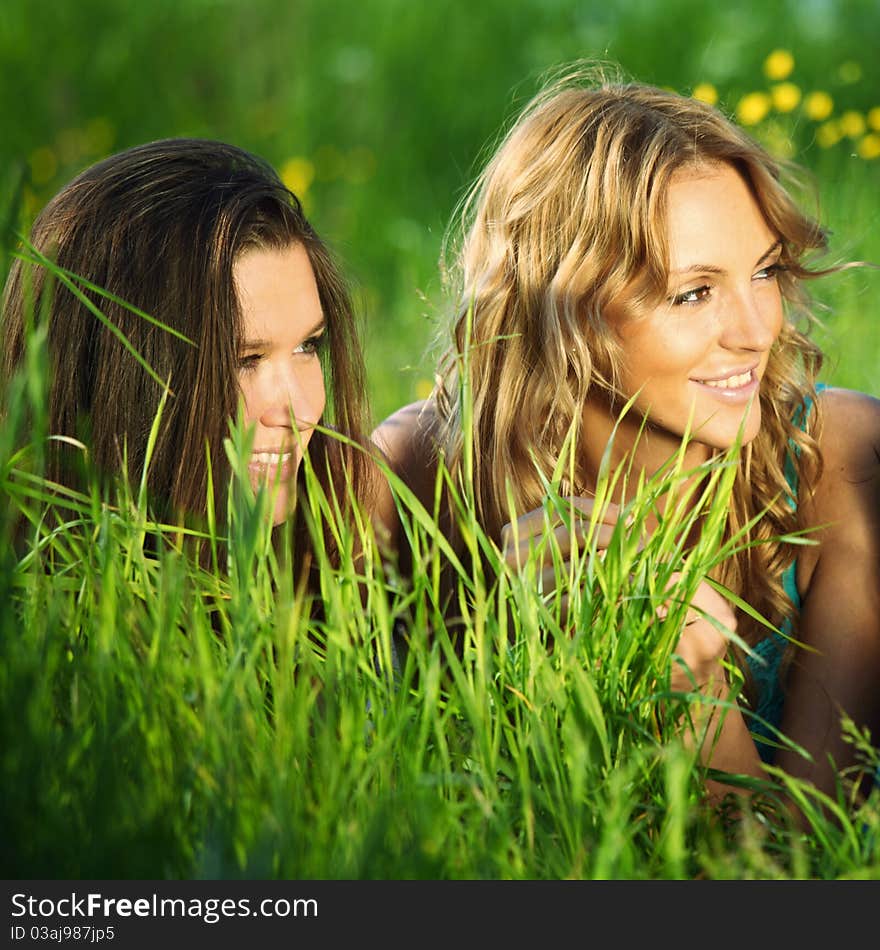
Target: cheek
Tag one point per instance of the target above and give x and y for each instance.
(247, 395)
(314, 396)
(778, 320)
(772, 309)
(653, 355)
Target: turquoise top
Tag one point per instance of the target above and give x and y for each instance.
(771, 696)
(764, 666)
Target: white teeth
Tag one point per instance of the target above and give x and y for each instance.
(270, 458)
(732, 382)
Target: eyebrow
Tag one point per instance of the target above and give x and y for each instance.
(318, 328)
(712, 269)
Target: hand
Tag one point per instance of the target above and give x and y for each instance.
(716, 728)
(529, 532)
(702, 646)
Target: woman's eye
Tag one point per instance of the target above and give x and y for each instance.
(312, 345)
(770, 272)
(249, 362)
(695, 295)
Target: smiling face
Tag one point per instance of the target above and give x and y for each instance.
(280, 376)
(698, 356)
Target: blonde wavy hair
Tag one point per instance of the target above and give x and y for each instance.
(569, 211)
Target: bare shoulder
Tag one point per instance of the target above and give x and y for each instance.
(409, 440)
(847, 495)
(843, 507)
(839, 582)
(849, 433)
(397, 434)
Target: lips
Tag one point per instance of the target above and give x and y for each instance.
(739, 379)
(267, 465)
(270, 458)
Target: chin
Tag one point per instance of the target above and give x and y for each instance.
(752, 425)
(284, 503)
(746, 431)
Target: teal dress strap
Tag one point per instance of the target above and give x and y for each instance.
(764, 665)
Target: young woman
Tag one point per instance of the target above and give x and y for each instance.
(204, 238)
(624, 242)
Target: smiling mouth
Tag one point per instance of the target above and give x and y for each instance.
(739, 381)
(268, 466)
(270, 458)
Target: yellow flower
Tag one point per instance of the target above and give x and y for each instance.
(779, 64)
(852, 124)
(298, 174)
(818, 106)
(850, 71)
(706, 92)
(828, 134)
(874, 118)
(786, 95)
(752, 108)
(43, 164)
(869, 147)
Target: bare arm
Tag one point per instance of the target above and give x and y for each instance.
(716, 726)
(839, 581)
(725, 743)
(407, 437)
(407, 441)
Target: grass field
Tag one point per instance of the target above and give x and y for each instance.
(293, 748)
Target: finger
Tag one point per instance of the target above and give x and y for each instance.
(535, 521)
(608, 511)
(705, 601)
(548, 580)
(560, 545)
(701, 655)
(721, 617)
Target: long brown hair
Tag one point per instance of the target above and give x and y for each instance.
(160, 226)
(569, 211)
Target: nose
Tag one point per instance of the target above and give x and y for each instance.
(294, 398)
(752, 320)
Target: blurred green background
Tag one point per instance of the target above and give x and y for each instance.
(377, 113)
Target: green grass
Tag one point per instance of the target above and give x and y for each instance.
(163, 721)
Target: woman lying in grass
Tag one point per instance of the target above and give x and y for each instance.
(246, 313)
(629, 244)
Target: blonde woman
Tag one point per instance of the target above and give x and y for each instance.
(627, 242)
